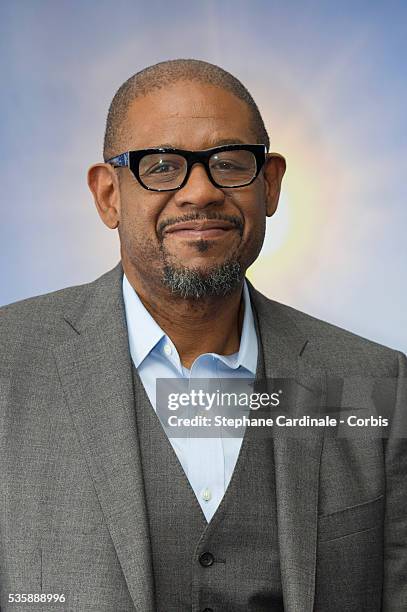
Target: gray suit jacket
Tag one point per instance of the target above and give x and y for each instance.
(72, 510)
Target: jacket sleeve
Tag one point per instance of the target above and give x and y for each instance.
(395, 527)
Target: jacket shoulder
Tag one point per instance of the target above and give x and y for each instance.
(31, 327)
(44, 310)
(41, 310)
(334, 345)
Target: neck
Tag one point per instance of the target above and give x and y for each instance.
(208, 325)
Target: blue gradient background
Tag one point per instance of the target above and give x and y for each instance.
(331, 84)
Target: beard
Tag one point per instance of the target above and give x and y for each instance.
(195, 284)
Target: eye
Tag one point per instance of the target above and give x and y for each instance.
(225, 165)
(156, 165)
(163, 168)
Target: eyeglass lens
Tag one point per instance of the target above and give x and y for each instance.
(168, 170)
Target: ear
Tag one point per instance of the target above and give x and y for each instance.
(104, 185)
(274, 169)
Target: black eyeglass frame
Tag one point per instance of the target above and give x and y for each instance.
(131, 160)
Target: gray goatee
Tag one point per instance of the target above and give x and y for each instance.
(193, 284)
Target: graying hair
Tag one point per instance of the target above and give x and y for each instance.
(167, 73)
(192, 284)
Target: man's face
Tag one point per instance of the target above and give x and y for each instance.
(192, 116)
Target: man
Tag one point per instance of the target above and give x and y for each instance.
(102, 508)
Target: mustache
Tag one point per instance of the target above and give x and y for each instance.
(236, 221)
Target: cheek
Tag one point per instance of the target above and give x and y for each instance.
(254, 231)
(140, 209)
(254, 213)
(139, 216)
(137, 231)
(255, 234)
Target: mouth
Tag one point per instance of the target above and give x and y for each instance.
(200, 229)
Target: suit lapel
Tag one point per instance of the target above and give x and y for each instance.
(297, 454)
(95, 372)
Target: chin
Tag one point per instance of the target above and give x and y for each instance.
(193, 282)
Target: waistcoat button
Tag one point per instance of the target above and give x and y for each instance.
(206, 559)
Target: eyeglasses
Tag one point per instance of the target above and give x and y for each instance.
(168, 169)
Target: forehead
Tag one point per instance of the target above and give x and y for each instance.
(187, 115)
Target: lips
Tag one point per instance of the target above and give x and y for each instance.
(201, 229)
(201, 225)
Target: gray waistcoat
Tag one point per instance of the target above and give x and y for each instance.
(228, 565)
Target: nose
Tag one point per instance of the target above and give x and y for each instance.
(198, 191)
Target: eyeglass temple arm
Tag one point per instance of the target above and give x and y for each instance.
(119, 160)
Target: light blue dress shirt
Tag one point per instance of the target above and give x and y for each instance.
(207, 462)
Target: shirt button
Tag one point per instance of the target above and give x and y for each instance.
(167, 349)
(206, 495)
(206, 559)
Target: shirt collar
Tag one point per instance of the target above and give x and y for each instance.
(144, 332)
(248, 349)
(141, 343)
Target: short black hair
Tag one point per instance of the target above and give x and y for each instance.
(166, 73)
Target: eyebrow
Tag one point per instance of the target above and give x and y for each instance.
(217, 143)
